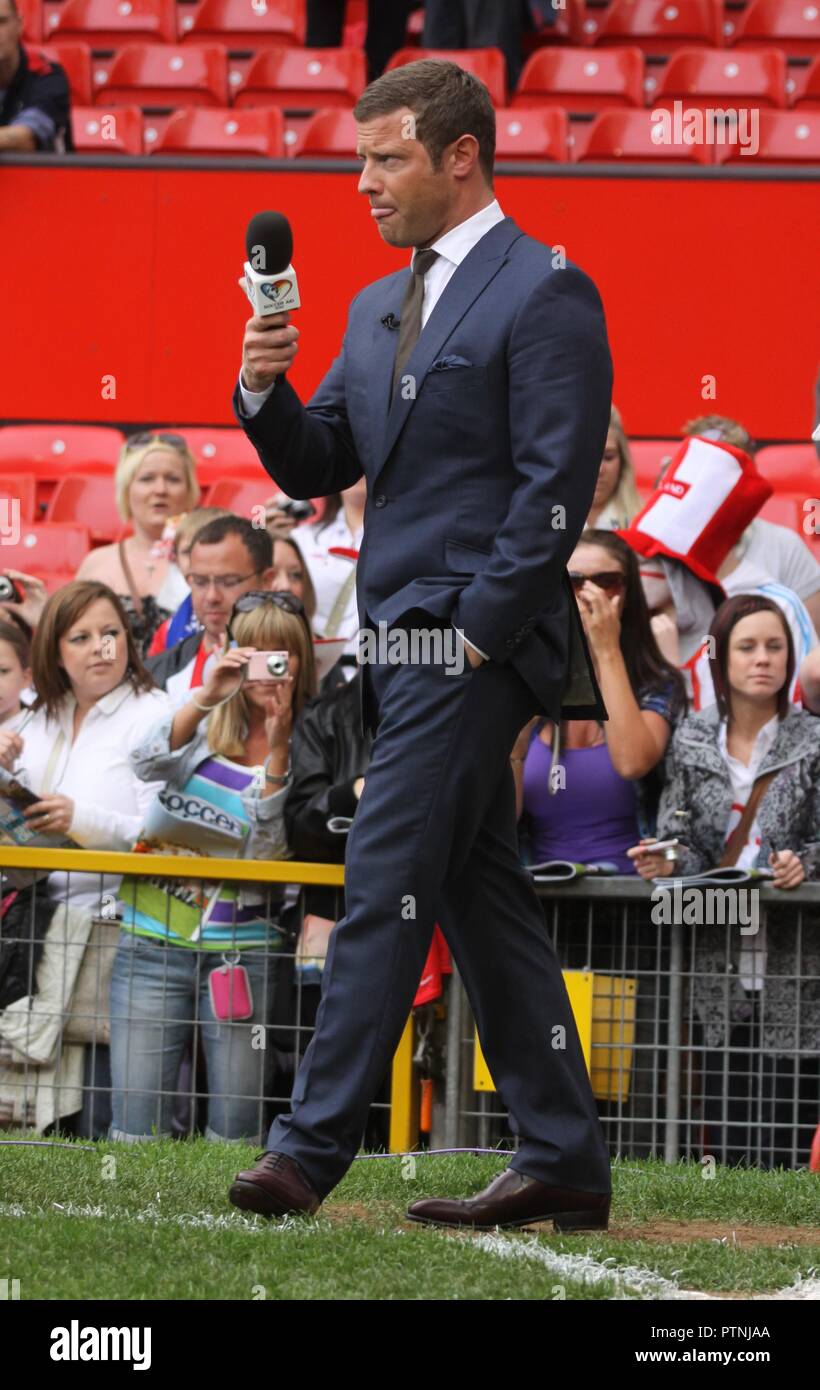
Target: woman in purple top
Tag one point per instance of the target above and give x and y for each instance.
(602, 772)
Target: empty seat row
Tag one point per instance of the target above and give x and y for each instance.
(781, 137)
(658, 26)
(580, 82)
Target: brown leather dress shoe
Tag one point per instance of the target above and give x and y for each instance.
(513, 1199)
(274, 1186)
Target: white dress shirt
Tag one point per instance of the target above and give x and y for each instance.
(329, 573)
(452, 247)
(94, 769)
(753, 952)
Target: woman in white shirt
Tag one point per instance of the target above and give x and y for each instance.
(94, 701)
(756, 992)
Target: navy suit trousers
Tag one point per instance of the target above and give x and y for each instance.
(434, 839)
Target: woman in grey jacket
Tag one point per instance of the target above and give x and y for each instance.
(758, 991)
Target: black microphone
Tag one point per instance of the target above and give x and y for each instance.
(270, 280)
(390, 321)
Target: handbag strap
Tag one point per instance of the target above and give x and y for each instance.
(129, 579)
(339, 608)
(51, 765)
(740, 834)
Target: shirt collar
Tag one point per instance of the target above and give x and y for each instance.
(763, 742)
(455, 244)
(108, 704)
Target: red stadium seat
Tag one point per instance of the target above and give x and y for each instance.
(329, 133)
(719, 78)
(634, 136)
(791, 468)
(241, 495)
(531, 134)
(32, 16)
(241, 26)
(304, 79)
(220, 451)
(793, 25)
(487, 64)
(87, 499)
(75, 59)
(786, 137)
(53, 553)
(660, 26)
(577, 80)
(784, 510)
(806, 95)
(109, 23)
(116, 131)
(222, 131)
(20, 489)
(649, 457)
(51, 451)
(159, 75)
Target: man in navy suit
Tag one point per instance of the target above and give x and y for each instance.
(473, 390)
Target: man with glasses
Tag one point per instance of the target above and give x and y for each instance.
(228, 558)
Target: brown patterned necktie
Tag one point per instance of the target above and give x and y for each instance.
(411, 312)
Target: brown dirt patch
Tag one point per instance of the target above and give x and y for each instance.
(743, 1237)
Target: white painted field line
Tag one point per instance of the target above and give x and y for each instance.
(630, 1280)
(204, 1220)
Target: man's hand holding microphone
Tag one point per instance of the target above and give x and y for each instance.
(268, 349)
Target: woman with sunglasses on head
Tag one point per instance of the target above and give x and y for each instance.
(155, 480)
(225, 760)
(603, 772)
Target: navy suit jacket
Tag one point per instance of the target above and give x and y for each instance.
(481, 470)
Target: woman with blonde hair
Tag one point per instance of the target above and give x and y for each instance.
(203, 956)
(155, 480)
(616, 499)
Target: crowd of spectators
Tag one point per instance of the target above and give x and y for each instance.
(127, 706)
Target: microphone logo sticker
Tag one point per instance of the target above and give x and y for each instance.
(275, 289)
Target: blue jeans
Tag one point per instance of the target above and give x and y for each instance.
(158, 994)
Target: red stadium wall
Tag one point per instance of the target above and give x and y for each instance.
(130, 273)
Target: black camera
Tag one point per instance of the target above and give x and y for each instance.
(299, 509)
(9, 591)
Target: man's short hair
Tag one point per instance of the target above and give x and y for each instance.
(446, 101)
(255, 539)
(730, 431)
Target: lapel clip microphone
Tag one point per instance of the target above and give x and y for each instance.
(390, 321)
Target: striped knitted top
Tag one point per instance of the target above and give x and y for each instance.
(207, 817)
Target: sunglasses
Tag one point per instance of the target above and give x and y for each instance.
(254, 598)
(611, 581)
(174, 441)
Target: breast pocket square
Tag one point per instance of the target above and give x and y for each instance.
(444, 364)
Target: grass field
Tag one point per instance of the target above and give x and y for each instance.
(153, 1222)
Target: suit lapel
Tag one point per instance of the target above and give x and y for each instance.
(466, 283)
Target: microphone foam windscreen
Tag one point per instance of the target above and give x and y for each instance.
(269, 242)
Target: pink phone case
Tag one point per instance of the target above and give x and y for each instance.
(231, 997)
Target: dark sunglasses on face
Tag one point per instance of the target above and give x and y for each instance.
(174, 441)
(611, 581)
